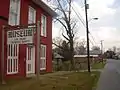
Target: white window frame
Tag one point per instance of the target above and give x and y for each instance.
(12, 58)
(13, 12)
(43, 27)
(33, 20)
(43, 59)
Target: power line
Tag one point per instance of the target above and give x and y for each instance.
(82, 21)
(93, 38)
(79, 16)
(91, 42)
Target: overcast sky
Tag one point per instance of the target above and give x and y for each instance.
(106, 28)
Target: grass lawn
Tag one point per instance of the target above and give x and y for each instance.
(98, 65)
(70, 81)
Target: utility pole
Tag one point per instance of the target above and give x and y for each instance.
(87, 33)
(2, 52)
(2, 56)
(38, 49)
(102, 49)
(101, 42)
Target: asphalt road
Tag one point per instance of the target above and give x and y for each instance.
(110, 76)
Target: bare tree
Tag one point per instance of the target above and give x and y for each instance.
(68, 23)
(62, 48)
(57, 42)
(95, 50)
(80, 48)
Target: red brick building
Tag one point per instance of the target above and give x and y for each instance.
(20, 59)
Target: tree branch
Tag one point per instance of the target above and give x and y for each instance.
(73, 26)
(62, 10)
(65, 37)
(57, 45)
(61, 23)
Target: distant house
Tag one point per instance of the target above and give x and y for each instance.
(57, 61)
(94, 52)
(20, 59)
(85, 56)
(82, 59)
(57, 58)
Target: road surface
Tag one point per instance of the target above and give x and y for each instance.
(110, 76)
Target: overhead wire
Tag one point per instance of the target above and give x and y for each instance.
(83, 22)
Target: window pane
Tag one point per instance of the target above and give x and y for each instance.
(12, 59)
(29, 67)
(13, 19)
(14, 6)
(14, 12)
(31, 15)
(43, 29)
(11, 64)
(43, 51)
(14, 65)
(8, 63)
(11, 51)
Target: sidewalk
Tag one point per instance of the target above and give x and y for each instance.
(92, 70)
(99, 70)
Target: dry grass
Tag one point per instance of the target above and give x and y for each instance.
(71, 81)
(99, 65)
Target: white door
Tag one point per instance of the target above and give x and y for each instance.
(30, 60)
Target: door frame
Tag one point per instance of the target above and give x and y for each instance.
(43, 59)
(33, 60)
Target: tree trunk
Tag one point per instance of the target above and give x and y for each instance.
(71, 54)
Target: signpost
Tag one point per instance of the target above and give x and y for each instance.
(38, 50)
(2, 56)
(18, 35)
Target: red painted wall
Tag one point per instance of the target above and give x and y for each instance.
(4, 8)
(49, 44)
(4, 5)
(22, 53)
(45, 40)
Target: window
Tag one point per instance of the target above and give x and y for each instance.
(14, 12)
(43, 25)
(12, 58)
(31, 15)
(43, 57)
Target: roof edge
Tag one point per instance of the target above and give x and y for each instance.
(45, 7)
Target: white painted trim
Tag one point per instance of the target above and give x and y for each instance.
(18, 13)
(42, 68)
(43, 58)
(18, 17)
(32, 61)
(42, 45)
(44, 26)
(34, 11)
(12, 73)
(12, 58)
